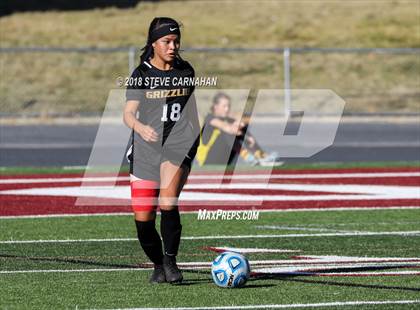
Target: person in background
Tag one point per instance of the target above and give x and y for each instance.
(224, 139)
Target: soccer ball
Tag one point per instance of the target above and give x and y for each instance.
(230, 269)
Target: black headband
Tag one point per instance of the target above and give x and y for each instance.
(164, 31)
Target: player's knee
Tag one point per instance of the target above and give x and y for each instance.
(144, 195)
(144, 216)
(168, 203)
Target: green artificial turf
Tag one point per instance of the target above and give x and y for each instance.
(123, 289)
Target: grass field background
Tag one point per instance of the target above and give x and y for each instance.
(213, 168)
(75, 83)
(79, 251)
(119, 289)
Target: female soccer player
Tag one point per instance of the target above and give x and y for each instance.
(164, 143)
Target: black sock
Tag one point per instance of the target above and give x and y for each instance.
(150, 241)
(170, 228)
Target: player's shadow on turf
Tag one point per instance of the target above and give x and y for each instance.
(208, 279)
(292, 278)
(257, 285)
(186, 282)
(69, 261)
(196, 281)
(333, 283)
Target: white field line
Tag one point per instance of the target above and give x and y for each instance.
(315, 264)
(339, 274)
(321, 268)
(277, 227)
(349, 234)
(337, 188)
(320, 262)
(290, 266)
(220, 176)
(368, 223)
(62, 180)
(42, 216)
(299, 264)
(344, 192)
(367, 233)
(252, 250)
(288, 306)
(306, 176)
(374, 208)
(384, 273)
(368, 274)
(72, 270)
(346, 259)
(353, 192)
(328, 260)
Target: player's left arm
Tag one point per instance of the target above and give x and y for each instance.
(192, 113)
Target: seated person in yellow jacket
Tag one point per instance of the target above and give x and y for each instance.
(223, 138)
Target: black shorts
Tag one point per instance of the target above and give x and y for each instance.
(146, 158)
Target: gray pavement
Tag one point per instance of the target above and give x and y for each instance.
(69, 145)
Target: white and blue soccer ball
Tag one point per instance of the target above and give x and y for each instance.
(230, 269)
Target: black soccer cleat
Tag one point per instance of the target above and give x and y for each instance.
(158, 275)
(172, 273)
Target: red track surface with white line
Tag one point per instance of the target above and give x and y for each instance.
(362, 188)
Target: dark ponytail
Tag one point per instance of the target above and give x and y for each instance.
(156, 23)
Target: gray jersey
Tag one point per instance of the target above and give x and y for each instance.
(162, 106)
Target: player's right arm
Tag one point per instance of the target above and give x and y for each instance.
(145, 131)
(134, 95)
(232, 129)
